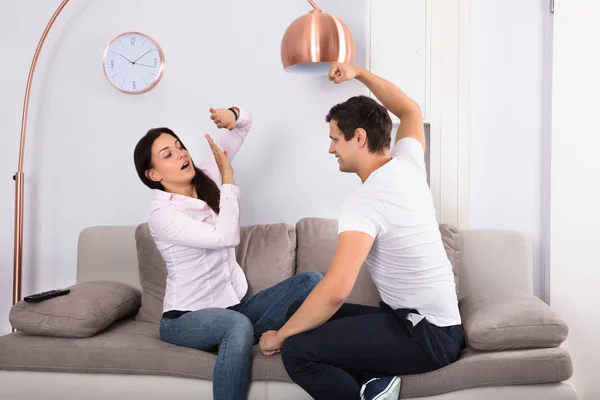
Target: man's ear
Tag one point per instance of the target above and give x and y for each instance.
(153, 175)
(360, 135)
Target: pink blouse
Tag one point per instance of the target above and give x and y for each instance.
(198, 245)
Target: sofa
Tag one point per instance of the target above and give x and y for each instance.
(101, 341)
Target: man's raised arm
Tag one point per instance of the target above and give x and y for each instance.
(391, 96)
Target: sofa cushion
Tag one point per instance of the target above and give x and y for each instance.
(126, 347)
(317, 239)
(133, 347)
(510, 319)
(266, 253)
(452, 240)
(479, 369)
(89, 308)
(153, 275)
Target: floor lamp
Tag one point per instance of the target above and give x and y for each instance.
(19, 176)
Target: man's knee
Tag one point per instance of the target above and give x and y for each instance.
(294, 353)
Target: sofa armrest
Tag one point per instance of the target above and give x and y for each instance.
(493, 260)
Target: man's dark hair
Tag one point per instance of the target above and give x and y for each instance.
(364, 112)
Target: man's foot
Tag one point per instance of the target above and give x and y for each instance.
(384, 388)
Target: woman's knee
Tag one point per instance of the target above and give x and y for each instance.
(306, 282)
(313, 277)
(239, 330)
(293, 308)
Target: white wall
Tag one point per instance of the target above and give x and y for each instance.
(537, 178)
(95, 182)
(79, 169)
(507, 109)
(575, 192)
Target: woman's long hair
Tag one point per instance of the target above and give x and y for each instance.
(206, 188)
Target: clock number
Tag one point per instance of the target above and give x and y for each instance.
(133, 40)
(112, 63)
(134, 85)
(155, 61)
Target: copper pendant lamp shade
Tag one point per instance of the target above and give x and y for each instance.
(313, 41)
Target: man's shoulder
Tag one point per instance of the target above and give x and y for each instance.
(409, 151)
(364, 195)
(362, 211)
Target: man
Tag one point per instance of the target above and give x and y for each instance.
(389, 222)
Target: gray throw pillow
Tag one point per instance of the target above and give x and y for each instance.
(510, 320)
(89, 308)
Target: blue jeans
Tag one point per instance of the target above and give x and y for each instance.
(237, 329)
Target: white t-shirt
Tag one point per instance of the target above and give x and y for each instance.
(407, 262)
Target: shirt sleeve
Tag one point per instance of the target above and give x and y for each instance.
(410, 148)
(362, 212)
(232, 141)
(173, 225)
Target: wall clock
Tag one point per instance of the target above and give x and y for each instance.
(133, 63)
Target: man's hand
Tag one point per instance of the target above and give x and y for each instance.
(223, 118)
(327, 297)
(270, 343)
(340, 72)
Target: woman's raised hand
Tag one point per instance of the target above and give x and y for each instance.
(222, 160)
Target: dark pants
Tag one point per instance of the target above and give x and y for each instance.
(360, 342)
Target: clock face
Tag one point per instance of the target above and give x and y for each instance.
(133, 63)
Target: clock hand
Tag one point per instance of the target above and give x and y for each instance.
(133, 62)
(126, 58)
(144, 65)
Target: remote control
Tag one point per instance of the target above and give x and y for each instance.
(36, 298)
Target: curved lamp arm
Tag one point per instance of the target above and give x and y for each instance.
(312, 3)
(19, 176)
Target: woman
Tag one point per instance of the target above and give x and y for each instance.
(194, 221)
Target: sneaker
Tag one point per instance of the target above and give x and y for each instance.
(384, 388)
